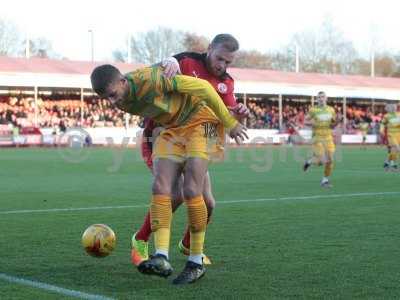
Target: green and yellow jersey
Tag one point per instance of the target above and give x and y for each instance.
(323, 118)
(172, 102)
(392, 122)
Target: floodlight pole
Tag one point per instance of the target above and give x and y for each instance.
(27, 47)
(81, 107)
(344, 112)
(91, 44)
(35, 120)
(373, 63)
(280, 112)
(129, 49)
(297, 59)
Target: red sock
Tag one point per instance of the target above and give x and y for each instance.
(145, 231)
(186, 237)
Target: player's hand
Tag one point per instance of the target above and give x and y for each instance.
(239, 133)
(171, 67)
(240, 111)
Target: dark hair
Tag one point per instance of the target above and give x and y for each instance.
(102, 76)
(225, 40)
(321, 92)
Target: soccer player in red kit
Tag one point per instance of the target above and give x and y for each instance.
(210, 66)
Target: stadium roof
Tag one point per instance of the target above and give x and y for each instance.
(21, 72)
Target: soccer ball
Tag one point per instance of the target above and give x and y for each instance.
(98, 240)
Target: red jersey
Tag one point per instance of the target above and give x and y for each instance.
(194, 64)
(191, 64)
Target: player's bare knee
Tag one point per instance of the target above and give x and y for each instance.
(160, 187)
(191, 190)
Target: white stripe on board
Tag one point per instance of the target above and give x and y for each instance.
(311, 197)
(52, 288)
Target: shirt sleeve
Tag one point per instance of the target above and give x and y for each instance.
(203, 90)
(229, 98)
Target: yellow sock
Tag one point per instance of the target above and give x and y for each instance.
(328, 169)
(161, 216)
(394, 156)
(197, 213)
(390, 156)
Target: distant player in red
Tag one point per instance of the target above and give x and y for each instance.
(210, 66)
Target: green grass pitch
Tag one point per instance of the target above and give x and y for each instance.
(275, 234)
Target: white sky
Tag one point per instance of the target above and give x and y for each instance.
(263, 25)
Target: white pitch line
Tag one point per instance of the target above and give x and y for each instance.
(311, 197)
(52, 288)
(24, 211)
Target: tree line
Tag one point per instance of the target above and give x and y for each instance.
(324, 49)
(321, 50)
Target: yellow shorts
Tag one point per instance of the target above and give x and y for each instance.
(394, 140)
(323, 148)
(202, 137)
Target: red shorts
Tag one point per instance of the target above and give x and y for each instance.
(147, 152)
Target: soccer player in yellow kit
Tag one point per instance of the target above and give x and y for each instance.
(363, 126)
(391, 122)
(194, 118)
(322, 118)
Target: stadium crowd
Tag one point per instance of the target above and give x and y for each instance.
(66, 113)
(63, 113)
(265, 115)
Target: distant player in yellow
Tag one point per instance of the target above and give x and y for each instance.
(193, 117)
(391, 123)
(322, 118)
(363, 126)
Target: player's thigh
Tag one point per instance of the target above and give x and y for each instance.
(166, 174)
(329, 149)
(194, 173)
(177, 193)
(318, 150)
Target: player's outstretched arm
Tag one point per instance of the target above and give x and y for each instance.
(199, 88)
(203, 90)
(240, 111)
